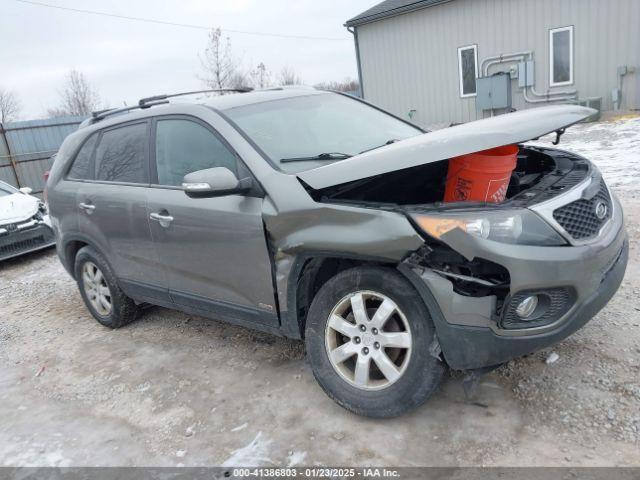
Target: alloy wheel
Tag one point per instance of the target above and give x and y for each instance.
(96, 288)
(368, 340)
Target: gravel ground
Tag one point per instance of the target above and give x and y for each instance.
(175, 389)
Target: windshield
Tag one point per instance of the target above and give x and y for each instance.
(328, 126)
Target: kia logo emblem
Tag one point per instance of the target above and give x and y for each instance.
(601, 210)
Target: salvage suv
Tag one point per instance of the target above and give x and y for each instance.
(318, 216)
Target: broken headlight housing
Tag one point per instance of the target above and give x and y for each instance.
(517, 226)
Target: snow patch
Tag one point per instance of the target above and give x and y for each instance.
(296, 458)
(252, 455)
(552, 358)
(613, 146)
(32, 456)
(240, 427)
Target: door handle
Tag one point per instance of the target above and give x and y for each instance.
(86, 207)
(164, 220)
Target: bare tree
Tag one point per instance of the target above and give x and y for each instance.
(78, 97)
(9, 106)
(260, 77)
(288, 76)
(219, 66)
(347, 85)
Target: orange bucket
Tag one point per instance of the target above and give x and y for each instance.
(481, 176)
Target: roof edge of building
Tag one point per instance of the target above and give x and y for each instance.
(374, 17)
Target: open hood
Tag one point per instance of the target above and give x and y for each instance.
(511, 128)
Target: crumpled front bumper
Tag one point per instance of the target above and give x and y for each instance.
(469, 333)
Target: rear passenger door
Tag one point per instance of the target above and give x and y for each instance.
(112, 206)
(214, 249)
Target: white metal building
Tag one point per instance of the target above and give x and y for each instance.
(423, 59)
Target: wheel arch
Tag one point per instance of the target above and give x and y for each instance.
(309, 273)
(70, 248)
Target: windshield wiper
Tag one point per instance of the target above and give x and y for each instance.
(388, 142)
(321, 156)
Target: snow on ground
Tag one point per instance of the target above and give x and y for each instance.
(252, 455)
(614, 146)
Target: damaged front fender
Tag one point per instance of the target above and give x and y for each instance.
(303, 229)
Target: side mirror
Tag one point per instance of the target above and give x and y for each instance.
(214, 182)
(26, 190)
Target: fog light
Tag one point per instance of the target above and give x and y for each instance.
(527, 306)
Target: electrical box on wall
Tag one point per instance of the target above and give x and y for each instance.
(526, 74)
(493, 92)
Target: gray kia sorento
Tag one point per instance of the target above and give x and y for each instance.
(318, 216)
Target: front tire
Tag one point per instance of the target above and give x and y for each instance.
(368, 336)
(100, 291)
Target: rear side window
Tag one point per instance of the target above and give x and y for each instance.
(81, 168)
(121, 155)
(183, 146)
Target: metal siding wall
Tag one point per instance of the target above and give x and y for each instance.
(410, 61)
(31, 144)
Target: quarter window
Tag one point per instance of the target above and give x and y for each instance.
(561, 56)
(183, 147)
(121, 155)
(81, 168)
(468, 70)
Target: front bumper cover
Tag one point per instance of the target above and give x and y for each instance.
(13, 244)
(468, 332)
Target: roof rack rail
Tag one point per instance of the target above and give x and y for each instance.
(145, 101)
(149, 102)
(101, 114)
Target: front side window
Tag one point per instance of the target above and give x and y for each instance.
(121, 155)
(183, 147)
(561, 56)
(81, 168)
(306, 126)
(468, 70)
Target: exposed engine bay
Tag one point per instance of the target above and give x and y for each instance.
(539, 175)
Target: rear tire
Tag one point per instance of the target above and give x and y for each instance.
(370, 365)
(100, 291)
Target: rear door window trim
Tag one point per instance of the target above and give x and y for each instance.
(92, 162)
(95, 133)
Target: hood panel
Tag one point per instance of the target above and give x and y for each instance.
(16, 207)
(450, 142)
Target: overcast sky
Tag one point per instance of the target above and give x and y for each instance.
(126, 60)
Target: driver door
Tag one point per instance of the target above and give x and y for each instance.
(214, 250)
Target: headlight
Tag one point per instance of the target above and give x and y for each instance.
(520, 227)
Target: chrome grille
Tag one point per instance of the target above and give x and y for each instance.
(583, 219)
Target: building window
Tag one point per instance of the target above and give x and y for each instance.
(468, 70)
(561, 56)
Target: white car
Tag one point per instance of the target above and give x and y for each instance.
(24, 222)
